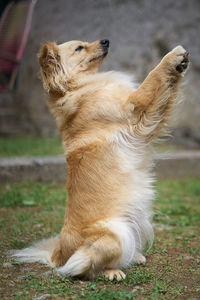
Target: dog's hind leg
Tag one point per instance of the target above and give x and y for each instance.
(100, 251)
(154, 100)
(57, 259)
(69, 242)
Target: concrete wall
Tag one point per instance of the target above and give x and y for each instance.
(140, 31)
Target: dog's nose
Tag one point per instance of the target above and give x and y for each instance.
(105, 43)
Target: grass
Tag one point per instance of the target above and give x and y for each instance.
(35, 146)
(30, 211)
(29, 146)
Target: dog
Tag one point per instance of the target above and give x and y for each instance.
(107, 125)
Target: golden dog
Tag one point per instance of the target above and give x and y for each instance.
(107, 126)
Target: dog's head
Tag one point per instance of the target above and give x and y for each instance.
(62, 63)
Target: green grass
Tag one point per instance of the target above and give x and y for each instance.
(29, 146)
(30, 211)
(177, 209)
(35, 146)
(29, 194)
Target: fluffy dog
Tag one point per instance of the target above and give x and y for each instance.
(107, 126)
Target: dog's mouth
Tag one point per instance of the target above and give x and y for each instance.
(99, 57)
(104, 45)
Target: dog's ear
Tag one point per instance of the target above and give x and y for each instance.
(53, 73)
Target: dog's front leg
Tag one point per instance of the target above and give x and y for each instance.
(154, 100)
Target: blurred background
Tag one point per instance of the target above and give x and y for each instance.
(140, 31)
(32, 165)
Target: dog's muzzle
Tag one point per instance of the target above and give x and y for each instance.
(104, 45)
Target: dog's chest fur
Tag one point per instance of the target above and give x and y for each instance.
(133, 224)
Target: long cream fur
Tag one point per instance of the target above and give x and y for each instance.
(107, 125)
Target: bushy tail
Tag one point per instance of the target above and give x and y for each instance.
(78, 264)
(85, 261)
(40, 251)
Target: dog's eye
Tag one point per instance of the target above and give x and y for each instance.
(79, 48)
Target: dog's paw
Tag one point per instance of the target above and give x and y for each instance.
(114, 274)
(140, 259)
(178, 60)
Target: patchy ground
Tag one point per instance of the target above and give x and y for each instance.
(30, 211)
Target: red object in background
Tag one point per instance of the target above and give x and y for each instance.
(14, 30)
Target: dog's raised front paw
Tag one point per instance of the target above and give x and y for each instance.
(178, 59)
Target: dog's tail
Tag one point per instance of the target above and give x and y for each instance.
(85, 261)
(78, 264)
(40, 251)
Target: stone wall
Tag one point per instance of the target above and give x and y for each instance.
(140, 31)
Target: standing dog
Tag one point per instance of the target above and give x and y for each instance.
(107, 126)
